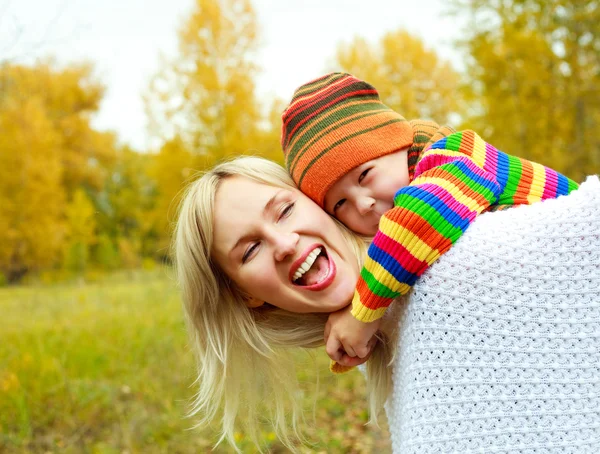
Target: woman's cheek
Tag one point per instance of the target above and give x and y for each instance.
(264, 280)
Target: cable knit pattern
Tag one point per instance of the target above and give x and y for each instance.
(499, 345)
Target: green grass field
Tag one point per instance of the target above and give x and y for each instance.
(104, 368)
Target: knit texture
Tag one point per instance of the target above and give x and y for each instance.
(425, 133)
(334, 124)
(455, 180)
(499, 345)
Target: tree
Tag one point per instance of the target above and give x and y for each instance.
(48, 151)
(534, 67)
(205, 97)
(68, 96)
(268, 141)
(410, 79)
(81, 222)
(170, 169)
(105, 253)
(125, 203)
(31, 194)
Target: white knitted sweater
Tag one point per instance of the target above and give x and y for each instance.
(499, 345)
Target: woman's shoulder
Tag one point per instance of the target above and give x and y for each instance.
(499, 338)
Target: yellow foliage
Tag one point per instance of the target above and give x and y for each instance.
(80, 215)
(128, 197)
(47, 151)
(206, 95)
(268, 140)
(68, 97)
(410, 78)
(31, 194)
(128, 252)
(170, 169)
(534, 80)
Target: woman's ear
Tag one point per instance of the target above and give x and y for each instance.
(254, 302)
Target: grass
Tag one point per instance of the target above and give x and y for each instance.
(104, 368)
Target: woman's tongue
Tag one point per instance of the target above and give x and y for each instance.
(317, 272)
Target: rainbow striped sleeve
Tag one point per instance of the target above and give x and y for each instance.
(455, 179)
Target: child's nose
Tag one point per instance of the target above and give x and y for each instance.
(365, 204)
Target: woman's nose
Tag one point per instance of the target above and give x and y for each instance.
(285, 244)
(364, 204)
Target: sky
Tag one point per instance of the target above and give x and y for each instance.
(125, 40)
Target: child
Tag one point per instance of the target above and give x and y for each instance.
(380, 175)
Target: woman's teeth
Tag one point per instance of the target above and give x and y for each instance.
(308, 262)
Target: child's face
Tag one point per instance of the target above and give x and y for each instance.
(364, 194)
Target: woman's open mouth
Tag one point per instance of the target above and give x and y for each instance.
(314, 269)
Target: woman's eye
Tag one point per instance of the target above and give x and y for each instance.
(249, 252)
(363, 175)
(338, 205)
(287, 211)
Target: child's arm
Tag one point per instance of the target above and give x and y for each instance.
(450, 189)
(455, 180)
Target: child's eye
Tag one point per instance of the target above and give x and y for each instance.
(287, 210)
(249, 252)
(338, 205)
(363, 175)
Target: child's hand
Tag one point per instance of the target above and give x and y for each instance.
(347, 337)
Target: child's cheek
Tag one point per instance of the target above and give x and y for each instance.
(386, 192)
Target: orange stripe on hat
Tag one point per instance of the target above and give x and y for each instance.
(361, 128)
(316, 172)
(330, 129)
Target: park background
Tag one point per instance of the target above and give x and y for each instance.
(95, 149)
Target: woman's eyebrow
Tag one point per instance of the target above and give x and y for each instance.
(268, 207)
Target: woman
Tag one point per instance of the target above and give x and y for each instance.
(261, 267)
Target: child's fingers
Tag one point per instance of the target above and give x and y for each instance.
(332, 347)
(349, 349)
(348, 361)
(352, 362)
(362, 351)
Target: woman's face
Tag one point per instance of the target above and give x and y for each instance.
(280, 247)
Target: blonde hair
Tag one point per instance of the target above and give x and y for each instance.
(243, 370)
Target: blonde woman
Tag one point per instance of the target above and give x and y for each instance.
(261, 268)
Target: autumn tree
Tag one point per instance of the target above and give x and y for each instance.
(268, 141)
(48, 152)
(32, 197)
(410, 78)
(81, 235)
(534, 70)
(124, 207)
(69, 96)
(205, 96)
(170, 169)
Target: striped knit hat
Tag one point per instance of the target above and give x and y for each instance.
(334, 124)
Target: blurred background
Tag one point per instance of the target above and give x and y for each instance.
(108, 108)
